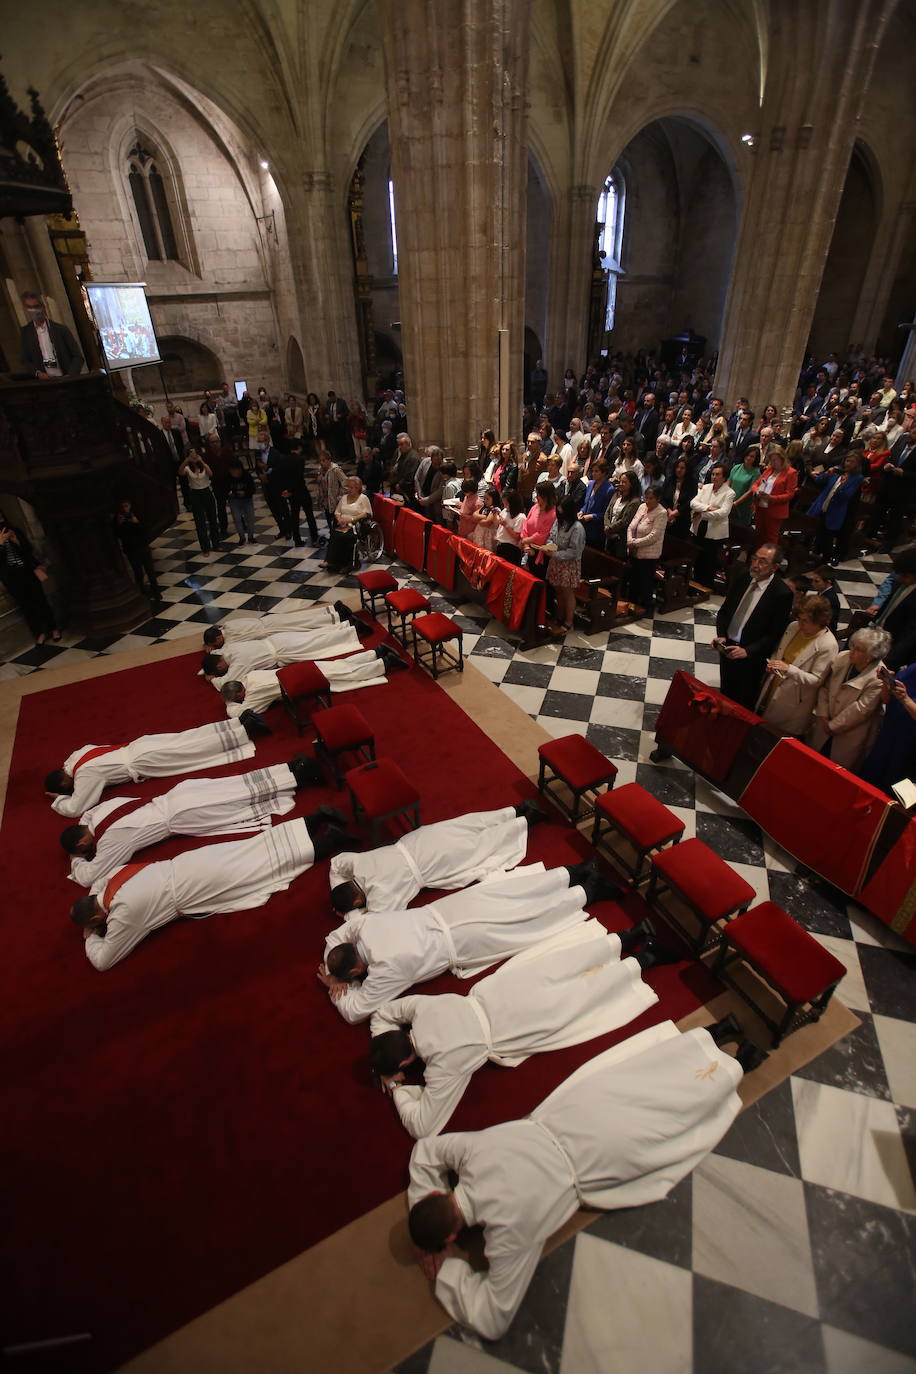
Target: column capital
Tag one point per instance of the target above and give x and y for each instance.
(318, 180)
(584, 193)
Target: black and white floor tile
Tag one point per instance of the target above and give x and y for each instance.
(792, 1249)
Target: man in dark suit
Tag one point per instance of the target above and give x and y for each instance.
(646, 418)
(745, 437)
(749, 624)
(47, 349)
(291, 496)
(573, 487)
(897, 492)
(337, 413)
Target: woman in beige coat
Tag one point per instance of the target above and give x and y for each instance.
(847, 713)
(798, 667)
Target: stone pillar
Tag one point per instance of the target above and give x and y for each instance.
(894, 236)
(456, 77)
(807, 129)
(570, 283)
(322, 259)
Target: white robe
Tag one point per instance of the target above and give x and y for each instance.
(621, 1131)
(236, 876)
(344, 675)
(448, 855)
(153, 756)
(283, 647)
(465, 933)
(238, 627)
(560, 992)
(200, 806)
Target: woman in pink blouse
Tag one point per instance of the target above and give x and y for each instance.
(645, 538)
(536, 530)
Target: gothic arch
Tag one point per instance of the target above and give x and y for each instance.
(295, 367)
(188, 366)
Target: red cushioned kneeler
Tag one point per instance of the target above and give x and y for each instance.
(386, 512)
(890, 891)
(302, 682)
(712, 890)
(373, 585)
(436, 630)
(574, 761)
(404, 603)
(640, 818)
(787, 958)
(440, 557)
(379, 791)
(410, 533)
(342, 730)
(702, 726)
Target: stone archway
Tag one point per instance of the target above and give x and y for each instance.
(295, 367)
(188, 368)
(847, 260)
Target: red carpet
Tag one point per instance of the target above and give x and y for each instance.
(194, 1117)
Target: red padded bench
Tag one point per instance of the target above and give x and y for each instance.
(641, 819)
(342, 730)
(706, 884)
(575, 762)
(379, 792)
(405, 604)
(791, 962)
(372, 585)
(436, 630)
(303, 682)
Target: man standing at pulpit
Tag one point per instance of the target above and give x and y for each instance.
(48, 349)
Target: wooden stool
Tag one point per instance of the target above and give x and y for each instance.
(342, 730)
(373, 585)
(303, 682)
(436, 630)
(789, 960)
(640, 818)
(573, 760)
(379, 791)
(403, 603)
(705, 883)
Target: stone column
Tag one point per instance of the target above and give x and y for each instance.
(807, 128)
(456, 76)
(570, 283)
(322, 259)
(894, 236)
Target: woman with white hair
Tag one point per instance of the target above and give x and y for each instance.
(847, 713)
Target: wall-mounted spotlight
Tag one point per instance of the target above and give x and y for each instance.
(749, 139)
(264, 166)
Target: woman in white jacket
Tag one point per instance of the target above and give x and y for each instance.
(847, 712)
(710, 509)
(798, 667)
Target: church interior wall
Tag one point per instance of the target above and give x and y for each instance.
(537, 259)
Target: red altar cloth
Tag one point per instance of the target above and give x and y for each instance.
(891, 891)
(440, 557)
(410, 538)
(385, 512)
(509, 589)
(826, 817)
(702, 726)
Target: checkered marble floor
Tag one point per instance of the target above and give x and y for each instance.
(793, 1247)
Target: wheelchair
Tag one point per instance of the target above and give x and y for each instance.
(370, 543)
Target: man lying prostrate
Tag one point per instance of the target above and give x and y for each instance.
(373, 958)
(236, 876)
(621, 1131)
(240, 627)
(235, 660)
(256, 691)
(111, 832)
(560, 992)
(448, 855)
(88, 771)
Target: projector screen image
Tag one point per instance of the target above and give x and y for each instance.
(122, 317)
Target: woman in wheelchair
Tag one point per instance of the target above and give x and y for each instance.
(352, 507)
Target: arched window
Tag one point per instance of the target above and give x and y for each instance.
(151, 201)
(394, 229)
(610, 236)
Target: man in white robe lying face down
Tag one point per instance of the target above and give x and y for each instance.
(111, 832)
(259, 689)
(237, 658)
(448, 855)
(240, 627)
(237, 876)
(567, 989)
(621, 1131)
(373, 958)
(89, 770)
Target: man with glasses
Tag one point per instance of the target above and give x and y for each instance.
(749, 624)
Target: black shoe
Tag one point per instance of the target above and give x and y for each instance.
(333, 841)
(255, 724)
(251, 539)
(601, 889)
(306, 771)
(330, 815)
(531, 812)
(391, 660)
(363, 630)
(241, 540)
(344, 612)
(729, 1029)
(581, 873)
(655, 954)
(750, 1056)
